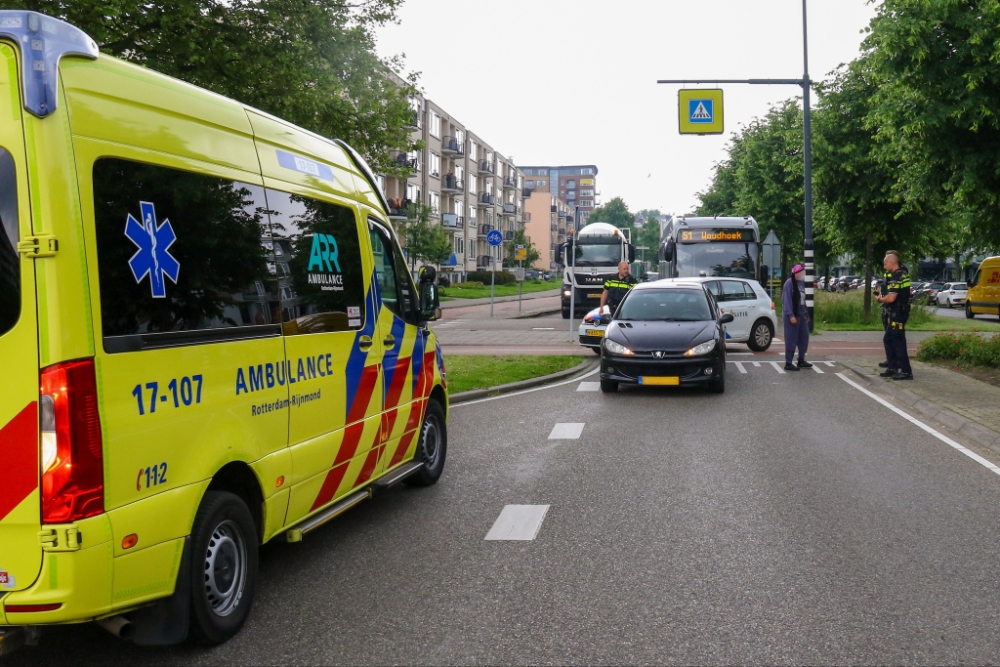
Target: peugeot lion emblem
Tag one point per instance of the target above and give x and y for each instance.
(659, 354)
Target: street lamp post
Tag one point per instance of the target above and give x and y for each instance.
(805, 82)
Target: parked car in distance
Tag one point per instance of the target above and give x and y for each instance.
(952, 294)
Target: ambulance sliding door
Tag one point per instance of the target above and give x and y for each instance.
(331, 351)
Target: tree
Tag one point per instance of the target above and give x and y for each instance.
(311, 62)
(649, 237)
(855, 182)
(936, 95)
(520, 238)
(422, 239)
(616, 213)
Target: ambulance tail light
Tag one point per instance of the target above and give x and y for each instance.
(72, 455)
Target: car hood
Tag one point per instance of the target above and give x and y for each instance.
(666, 336)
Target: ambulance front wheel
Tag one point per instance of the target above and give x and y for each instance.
(432, 447)
(223, 567)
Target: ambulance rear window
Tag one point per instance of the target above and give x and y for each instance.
(183, 258)
(10, 277)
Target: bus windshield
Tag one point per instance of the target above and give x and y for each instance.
(605, 254)
(730, 260)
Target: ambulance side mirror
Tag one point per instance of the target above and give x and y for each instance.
(430, 304)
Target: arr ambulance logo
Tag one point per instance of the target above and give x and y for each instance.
(324, 264)
(153, 257)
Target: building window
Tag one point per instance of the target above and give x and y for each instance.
(435, 128)
(472, 185)
(587, 203)
(435, 165)
(413, 192)
(586, 193)
(541, 184)
(459, 172)
(588, 172)
(571, 185)
(435, 201)
(459, 244)
(472, 247)
(529, 183)
(473, 150)
(472, 216)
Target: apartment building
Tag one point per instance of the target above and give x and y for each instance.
(551, 219)
(470, 187)
(575, 184)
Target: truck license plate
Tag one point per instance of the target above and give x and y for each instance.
(594, 296)
(667, 381)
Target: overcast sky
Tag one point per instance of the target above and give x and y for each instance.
(574, 81)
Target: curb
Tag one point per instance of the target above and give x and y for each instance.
(461, 302)
(467, 396)
(952, 421)
(535, 313)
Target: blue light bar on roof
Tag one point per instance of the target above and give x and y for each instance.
(43, 42)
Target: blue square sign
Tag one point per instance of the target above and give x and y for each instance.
(701, 111)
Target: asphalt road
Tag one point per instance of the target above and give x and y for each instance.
(792, 520)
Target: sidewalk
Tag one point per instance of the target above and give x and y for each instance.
(962, 404)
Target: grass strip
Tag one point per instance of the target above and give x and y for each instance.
(530, 286)
(481, 371)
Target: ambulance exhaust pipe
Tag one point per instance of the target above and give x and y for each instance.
(119, 626)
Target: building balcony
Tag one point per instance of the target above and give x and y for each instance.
(452, 220)
(510, 183)
(397, 208)
(554, 208)
(562, 215)
(526, 193)
(508, 236)
(483, 262)
(404, 160)
(555, 228)
(452, 184)
(486, 200)
(485, 229)
(452, 146)
(509, 209)
(412, 120)
(486, 167)
(562, 231)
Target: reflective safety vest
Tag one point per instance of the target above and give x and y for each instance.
(618, 287)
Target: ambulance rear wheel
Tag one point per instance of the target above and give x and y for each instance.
(223, 567)
(432, 448)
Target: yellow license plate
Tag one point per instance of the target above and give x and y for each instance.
(669, 381)
(597, 333)
(594, 296)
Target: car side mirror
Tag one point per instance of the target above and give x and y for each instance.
(605, 319)
(726, 319)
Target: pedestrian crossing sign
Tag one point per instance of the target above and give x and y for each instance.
(700, 111)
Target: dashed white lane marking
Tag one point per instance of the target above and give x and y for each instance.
(777, 340)
(740, 354)
(816, 368)
(919, 424)
(828, 363)
(518, 522)
(567, 431)
(589, 386)
(756, 364)
(777, 367)
(543, 328)
(739, 365)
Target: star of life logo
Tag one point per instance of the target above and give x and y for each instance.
(153, 257)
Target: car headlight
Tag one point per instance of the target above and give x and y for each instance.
(565, 292)
(616, 348)
(699, 350)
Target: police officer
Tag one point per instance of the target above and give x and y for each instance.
(616, 288)
(897, 299)
(883, 290)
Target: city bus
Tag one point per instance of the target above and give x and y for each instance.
(692, 247)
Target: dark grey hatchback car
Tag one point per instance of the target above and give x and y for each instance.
(666, 334)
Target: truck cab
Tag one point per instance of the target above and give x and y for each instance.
(591, 256)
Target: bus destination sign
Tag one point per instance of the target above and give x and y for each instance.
(715, 235)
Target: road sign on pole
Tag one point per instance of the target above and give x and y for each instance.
(520, 252)
(494, 237)
(700, 111)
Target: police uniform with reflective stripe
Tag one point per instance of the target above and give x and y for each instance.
(617, 289)
(897, 313)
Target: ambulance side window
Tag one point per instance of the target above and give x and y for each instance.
(396, 287)
(10, 265)
(183, 258)
(323, 289)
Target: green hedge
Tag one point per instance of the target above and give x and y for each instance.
(967, 348)
(502, 277)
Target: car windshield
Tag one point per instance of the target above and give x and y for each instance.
(728, 260)
(603, 254)
(672, 305)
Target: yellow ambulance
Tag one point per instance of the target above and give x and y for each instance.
(209, 339)
(983, 297)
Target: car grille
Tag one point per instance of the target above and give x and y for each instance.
(680, 370)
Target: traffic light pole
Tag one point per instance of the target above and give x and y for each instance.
(806, 83)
